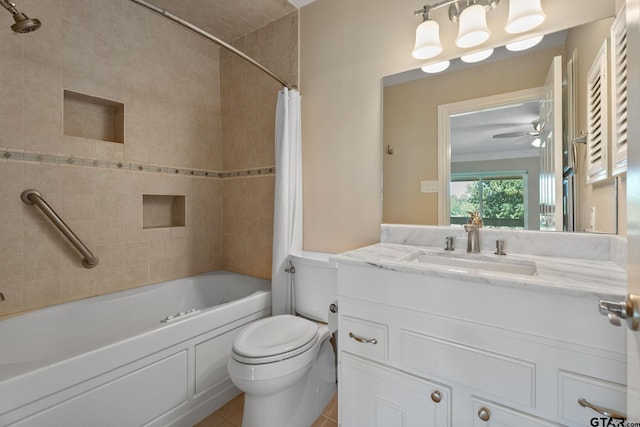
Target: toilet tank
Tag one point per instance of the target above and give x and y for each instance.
(315, 284)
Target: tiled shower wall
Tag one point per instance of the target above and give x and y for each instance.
(249, 99)
(169, 83)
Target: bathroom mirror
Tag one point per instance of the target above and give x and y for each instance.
(492, 147)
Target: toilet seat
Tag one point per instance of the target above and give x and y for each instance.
(274, 338)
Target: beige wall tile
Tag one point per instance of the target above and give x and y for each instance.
(41, 292)
(136, 253)
(135, 275)
(42, 128)
(108, 232)
(76, 180)
(44, 178)
(108, 280)
(110, 255)
(81, 284)
(12, 269)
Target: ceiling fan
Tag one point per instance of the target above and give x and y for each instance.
(523, 134)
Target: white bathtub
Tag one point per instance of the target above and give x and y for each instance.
(112, 360)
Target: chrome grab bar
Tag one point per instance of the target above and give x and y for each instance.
(33, 197)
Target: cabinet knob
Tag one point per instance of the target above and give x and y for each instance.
(484, 414)
(436, 396)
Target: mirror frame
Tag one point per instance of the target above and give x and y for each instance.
(444, 136)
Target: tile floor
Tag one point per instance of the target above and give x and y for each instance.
(230, 415)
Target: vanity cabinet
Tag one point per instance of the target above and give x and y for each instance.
(421, 350)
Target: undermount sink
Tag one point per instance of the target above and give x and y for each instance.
(475, 262)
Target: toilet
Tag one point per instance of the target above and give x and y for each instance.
(285, 364)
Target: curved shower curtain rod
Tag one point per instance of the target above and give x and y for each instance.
(213, 38)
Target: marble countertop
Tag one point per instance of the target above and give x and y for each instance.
(598, 279)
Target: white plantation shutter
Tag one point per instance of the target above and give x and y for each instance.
(619, 93)
(597, 118)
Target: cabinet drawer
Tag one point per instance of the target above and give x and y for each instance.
(597, 392)
(489, 414)
(364, 337)
(498, 375)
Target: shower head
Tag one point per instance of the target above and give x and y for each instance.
(23, 23)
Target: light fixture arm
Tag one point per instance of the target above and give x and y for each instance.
(455, 7)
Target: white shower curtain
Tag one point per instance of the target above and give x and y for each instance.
(287, 216)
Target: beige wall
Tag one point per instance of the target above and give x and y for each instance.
(411, 126)
(169, 81)
(346, 48)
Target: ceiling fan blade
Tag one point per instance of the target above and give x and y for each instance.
(516, 134)
(510, 134)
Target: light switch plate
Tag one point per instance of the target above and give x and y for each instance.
(428, 186)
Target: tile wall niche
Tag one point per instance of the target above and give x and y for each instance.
(173, 145)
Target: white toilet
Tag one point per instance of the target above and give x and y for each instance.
(285, 364)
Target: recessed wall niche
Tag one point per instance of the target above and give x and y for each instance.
(162, 211)
(91, 117)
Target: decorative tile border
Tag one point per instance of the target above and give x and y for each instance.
(248, 172)
(65, 160)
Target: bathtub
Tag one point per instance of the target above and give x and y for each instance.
(152, 356)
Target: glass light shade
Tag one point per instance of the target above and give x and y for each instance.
(437, 67)
(523, 44)
(427, 40)
(473, 28)
(477, 56)
(524, 15)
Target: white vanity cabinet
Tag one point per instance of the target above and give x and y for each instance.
(422, 350)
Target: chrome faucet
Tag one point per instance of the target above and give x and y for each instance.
(473, 238)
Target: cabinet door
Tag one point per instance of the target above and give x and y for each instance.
(487, 414)
(372, 395)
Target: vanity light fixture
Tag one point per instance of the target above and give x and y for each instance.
(472, 31)
(477, 56)
(524, 15)
(437, 67)
(523, 44)
(471, 15)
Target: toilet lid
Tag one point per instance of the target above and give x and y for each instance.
(274, 335)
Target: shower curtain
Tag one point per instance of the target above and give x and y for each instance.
(287, 218)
